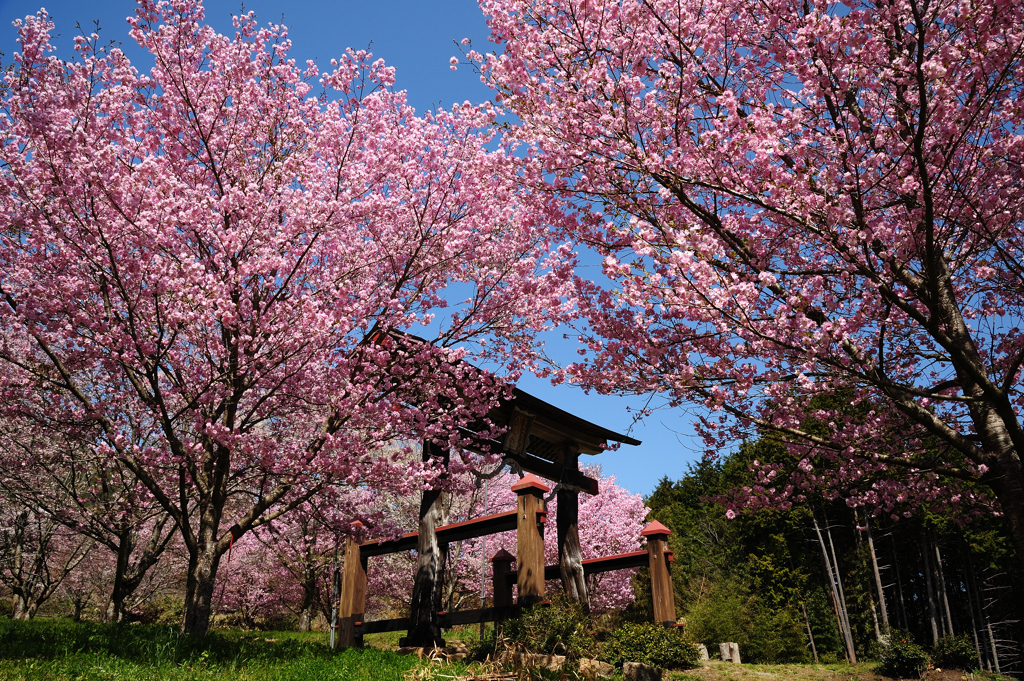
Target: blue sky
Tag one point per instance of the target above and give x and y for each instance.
(417, 37)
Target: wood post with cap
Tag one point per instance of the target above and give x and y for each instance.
(353, 593)
(661, 580)
(501, 563)
(532, 517)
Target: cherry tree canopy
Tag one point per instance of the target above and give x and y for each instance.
(203, 262)
(795, 199)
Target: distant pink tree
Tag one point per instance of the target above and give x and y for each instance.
(37, 554)
(92, 496)
(206, 262)
(794, 200)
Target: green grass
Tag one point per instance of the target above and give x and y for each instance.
(55, 650)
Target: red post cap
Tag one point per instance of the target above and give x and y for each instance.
(502, 556)
(531, 481)
(655, 528)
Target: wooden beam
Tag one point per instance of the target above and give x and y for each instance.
(447, 620)
(447, 534)
(533, 464)
(593, 566)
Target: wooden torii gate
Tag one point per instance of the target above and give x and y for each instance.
(539, 439)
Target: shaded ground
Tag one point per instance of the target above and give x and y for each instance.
(725, 671)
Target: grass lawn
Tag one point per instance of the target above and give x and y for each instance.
(59, 649)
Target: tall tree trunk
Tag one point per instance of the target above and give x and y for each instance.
(970, 606)
(842, 593)
(810, 634)
(942, 586)
(932, 610)
(878, 576)
(844, 625)
(899, 583)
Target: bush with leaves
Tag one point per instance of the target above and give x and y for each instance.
(652, 644)
(561, 628)
(955, 652)
(900, 656)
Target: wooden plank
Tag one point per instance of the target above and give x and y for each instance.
(381, 626)
(622, 561)
(447, 620)
(593, 566)
(479, 615)
(447, 534)
(533, 464)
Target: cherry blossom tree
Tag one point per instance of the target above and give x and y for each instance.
(793, 200)
(285, 566)
(37, 554)
(90, 494)
(206, 263)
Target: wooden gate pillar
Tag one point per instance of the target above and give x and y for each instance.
(428, 582)
(353, 595)
(530, 538)
(501, 565)
(570, 555)
(661, 581)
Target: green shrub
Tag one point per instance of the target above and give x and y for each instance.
(900, 656)
(955, 652)
(652, 644)
(561, 628)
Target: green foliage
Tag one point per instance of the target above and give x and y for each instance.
(562, 628)
(164, 610)
(900, 656)
(955, 652)
(44, 650)
(651, 644)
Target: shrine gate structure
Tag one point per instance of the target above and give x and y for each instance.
(542, 441)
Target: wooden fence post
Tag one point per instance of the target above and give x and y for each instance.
(353, 594)
(661, 581)
(501, 565)
(530, 538)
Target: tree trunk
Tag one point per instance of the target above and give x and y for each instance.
(115, 611)
(309, 599)
(844, 625)
(878, 576)
(570, 555)
(842, 594)
(428, 583)
(970, 606)
(203, 562)
(932, 610)
(942, 586)
(899, 583)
